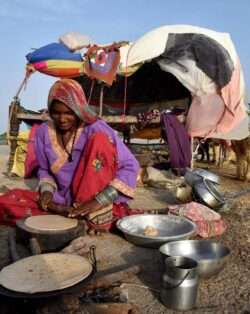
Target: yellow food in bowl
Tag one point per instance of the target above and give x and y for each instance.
(150, 231)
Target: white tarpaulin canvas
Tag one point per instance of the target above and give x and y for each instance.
(225, 97)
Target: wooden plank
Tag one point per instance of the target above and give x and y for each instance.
(108, 119)
(33, 116)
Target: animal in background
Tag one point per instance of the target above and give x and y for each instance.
(242, 152)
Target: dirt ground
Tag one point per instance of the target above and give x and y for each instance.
(227, 292)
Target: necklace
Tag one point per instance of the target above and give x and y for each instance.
(69, 153)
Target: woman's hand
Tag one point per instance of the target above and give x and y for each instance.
(59, 209)
(84, 209)
(44, 200)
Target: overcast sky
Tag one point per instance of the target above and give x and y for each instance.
(27, 24)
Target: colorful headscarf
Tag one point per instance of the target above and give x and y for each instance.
(70, 93)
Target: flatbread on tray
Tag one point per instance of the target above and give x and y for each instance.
(45, 272)
(50, 223)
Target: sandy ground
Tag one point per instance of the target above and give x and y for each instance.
(227, 292)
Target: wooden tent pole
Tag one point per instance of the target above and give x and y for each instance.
(23, 84)
(192, 152)
(101, 101)
(13, 130)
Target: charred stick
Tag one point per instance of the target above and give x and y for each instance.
(108, 280)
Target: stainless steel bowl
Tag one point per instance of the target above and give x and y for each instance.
(210, 256)
(210, 176)
(196, 175)
(206, 192)
(169, 228)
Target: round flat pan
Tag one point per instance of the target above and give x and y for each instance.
(20, 295)
(21, 224)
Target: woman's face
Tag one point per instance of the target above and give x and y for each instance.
(63, 117)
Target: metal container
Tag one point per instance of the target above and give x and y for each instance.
(210, 256)
(206, 192)
(196, 175)
(179, 283)
(168, 228)
(210, 176)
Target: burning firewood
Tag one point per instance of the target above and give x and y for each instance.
(112, 308)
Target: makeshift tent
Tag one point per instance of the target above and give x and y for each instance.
(180, 65)
(194, 64)
(206, 63)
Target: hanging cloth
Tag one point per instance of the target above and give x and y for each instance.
(178, 143)
(102, 63)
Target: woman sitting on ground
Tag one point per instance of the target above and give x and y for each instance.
(85, 170)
